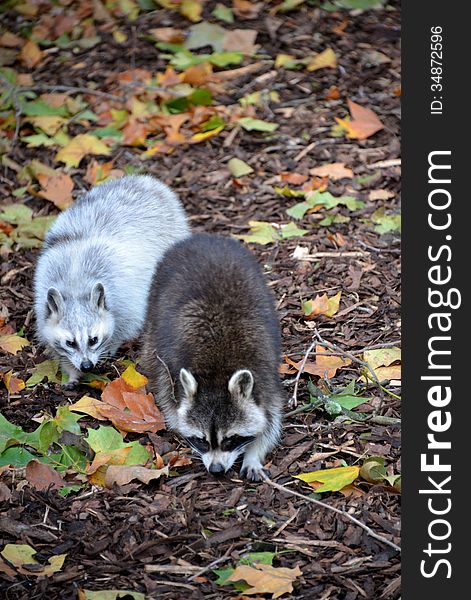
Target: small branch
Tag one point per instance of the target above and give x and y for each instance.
(293, 402)
(368, 530)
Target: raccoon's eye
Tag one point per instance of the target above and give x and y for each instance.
(235, 441)
(71, 343)
(199, 444)
(92, 341)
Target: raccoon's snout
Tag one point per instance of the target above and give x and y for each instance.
(216, 469)
(86, 366)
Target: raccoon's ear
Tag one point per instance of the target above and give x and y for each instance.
(54, 302)
(241, 384)
(97, 296)
(188, 382)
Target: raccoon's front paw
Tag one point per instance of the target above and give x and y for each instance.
(70, 385)
(253, 471)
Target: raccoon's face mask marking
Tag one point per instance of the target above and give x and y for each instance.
(79, 329)
(219, 429)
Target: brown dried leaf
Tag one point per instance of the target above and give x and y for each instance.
(123, 474)
(265, 579)
(42, 476)
(30, 54)
(334, 171)
(363, 123)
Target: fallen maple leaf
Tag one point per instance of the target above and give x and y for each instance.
(294, 178)
(22, 557)
(322, 305)
(324, 366)
(332, 480)
(80, 146)
(363, 123)
(125, 403)
(265, 579)
(334, 171)
(241, 40)
(57, 189)
(325, 59)
(12, 343)
(42, 476)
(13, 384)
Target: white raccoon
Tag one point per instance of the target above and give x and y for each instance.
(93, 276)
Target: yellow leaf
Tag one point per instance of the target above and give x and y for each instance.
(89, 406)
(382, 357)
(22, 555)
(48, 123)
(324, 59)
(333, 480)
(80, 146)
(322, 305)
(12, 343)
(201, 137)
(120, 36)
(133, 378)
(388, 373)
(265, 579)
(191, 9)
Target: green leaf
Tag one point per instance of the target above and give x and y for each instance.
(298, 210)
(385, 223)
(373, 469)
(69, 489)
(66, 420)
(251, 124)
(39, 108)
(16, 213)
(10, 435)
(16, 457)
(349, 402)
(224, 59)
(212, 123)
(332, 219)
(223, 13)
(205, 34)
(292, 230)
(201, 97)
(264, 558)
(238, 168)
(260, 233)
(104, 439)
(333, 480)
(47, 368)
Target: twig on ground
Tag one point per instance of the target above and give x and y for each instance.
(293, 402)
(368, 530)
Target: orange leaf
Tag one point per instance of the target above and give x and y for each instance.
(57, 188)
(135, 133)
(197, 75)
(13, 384)
(322, 305)
(168, 34)
(294, 178)
(363, 123)
(129, 408)
(324, 366)
(333, 171)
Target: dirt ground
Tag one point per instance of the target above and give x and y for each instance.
(165, 538)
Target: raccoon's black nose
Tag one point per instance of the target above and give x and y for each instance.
(216, 469)
(87, 365)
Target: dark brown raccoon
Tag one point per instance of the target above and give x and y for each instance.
(211, 349)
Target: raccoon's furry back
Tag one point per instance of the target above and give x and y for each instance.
(210, 311)
(115, 234)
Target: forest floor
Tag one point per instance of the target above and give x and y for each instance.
(166, 539)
